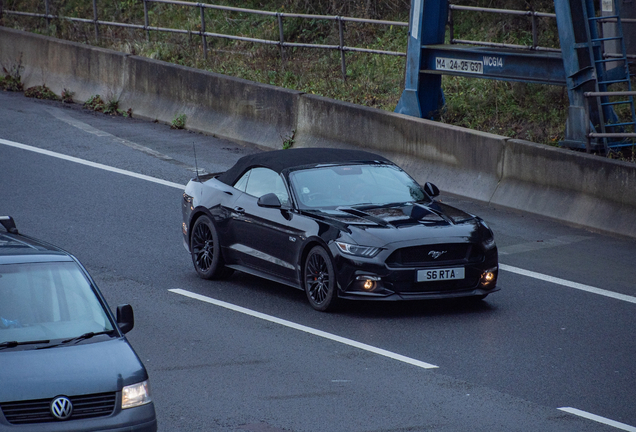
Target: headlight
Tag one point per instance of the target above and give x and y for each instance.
(488, 243)
(356, 250)
(135, 395)
(487, 234)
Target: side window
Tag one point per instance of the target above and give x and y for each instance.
(260, 181)
(242, 182)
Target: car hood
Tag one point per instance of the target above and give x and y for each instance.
(87, 368)
(377, 226)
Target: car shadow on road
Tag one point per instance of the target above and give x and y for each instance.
(416, 308)
(266, 292)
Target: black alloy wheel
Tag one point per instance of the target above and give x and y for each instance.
(320, 280)
(206, 251)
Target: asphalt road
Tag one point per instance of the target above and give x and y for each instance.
(549, 352)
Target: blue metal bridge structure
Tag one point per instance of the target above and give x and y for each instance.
(598, 82)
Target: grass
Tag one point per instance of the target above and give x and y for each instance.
(178, 122)
(524, 111)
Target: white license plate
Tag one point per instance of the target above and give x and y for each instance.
(436, 275)
(455, 65)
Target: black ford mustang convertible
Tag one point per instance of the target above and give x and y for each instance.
(338, 224)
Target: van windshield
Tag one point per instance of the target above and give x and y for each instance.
(48, 301)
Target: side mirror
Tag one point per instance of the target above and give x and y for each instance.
(269, 200)
(125, 318)
(431, 190)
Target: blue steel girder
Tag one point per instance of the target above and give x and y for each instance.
(494, 63)
(422, 96)
(579, 69)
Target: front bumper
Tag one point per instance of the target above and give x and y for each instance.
(138, 419)
(386, 283)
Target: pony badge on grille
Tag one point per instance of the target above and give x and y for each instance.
(436, 254)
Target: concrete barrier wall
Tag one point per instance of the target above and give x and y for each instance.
(225, 106)
(584, 189)
(457, 160)
(228, 107)
(594, 192)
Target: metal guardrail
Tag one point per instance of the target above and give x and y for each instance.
(282, 43)
(204, 34)
(535, 37)
(534, 15)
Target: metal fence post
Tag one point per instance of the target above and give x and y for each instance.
(48, 20)
(205, 41)
(95, 20)
(588, 144)
(281, 36)
(535, 36)
(146, 20)
(451, 25)
(342, 51)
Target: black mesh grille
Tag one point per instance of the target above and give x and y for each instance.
(38, 411)
(425, 255)
(437, 287)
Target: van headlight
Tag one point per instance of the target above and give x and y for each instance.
(135, 395)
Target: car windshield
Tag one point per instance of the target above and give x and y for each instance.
(48, 301)
(354, 185)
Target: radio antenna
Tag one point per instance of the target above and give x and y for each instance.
(195, 161)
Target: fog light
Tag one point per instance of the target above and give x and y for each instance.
(488, 277)
(368, 283)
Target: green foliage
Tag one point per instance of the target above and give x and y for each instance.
(178, 122)
(288, 142)
(96, 103)
(627, 154)
(41, 92)
(111, 106)
(12, 80)
(67, 96)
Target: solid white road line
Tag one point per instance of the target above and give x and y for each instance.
(567, 283)
(305, 329)
(91, 164)
(599, 419)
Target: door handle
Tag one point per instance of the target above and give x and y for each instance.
(239, 210)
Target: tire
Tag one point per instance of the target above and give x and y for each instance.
(206, 251)
(320, 280)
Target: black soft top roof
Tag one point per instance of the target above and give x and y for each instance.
(279, 160)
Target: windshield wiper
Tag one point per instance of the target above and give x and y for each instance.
(13, 344)
(369, 206)
(77, 339)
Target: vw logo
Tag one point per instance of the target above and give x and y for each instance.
(436, 254)
(61, 408)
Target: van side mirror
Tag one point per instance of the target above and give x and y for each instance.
(125, 318)
(431, 190)
(269, 200)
